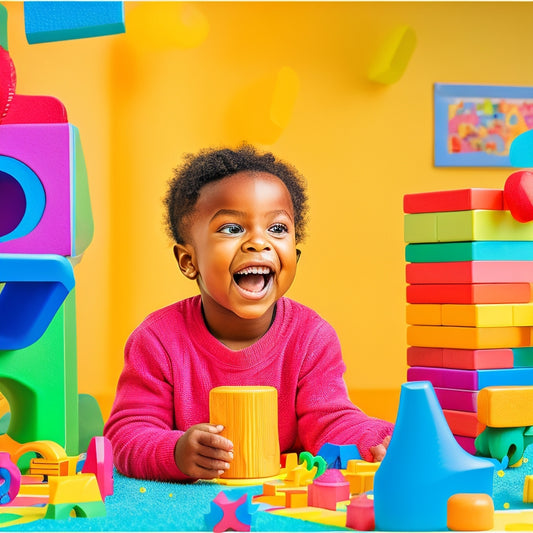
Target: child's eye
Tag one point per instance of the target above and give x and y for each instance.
(231, 229)
(278, 228)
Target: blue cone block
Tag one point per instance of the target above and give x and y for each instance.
(424, 466)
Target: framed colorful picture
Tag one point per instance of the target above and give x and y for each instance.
(476, 124)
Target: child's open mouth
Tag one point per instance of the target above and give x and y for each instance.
(253, 279)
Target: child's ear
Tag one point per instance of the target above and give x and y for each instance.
(184, 254)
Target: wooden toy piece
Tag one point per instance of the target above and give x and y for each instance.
(43, 397)
(360, 513)
(457, 226)
(328, 489)
(250, 419)
(457, 399)
(74, 494)
(505, 407)
(528, 489)
(521, 149)
(453, 200)
(463, 423)
(419, 502)
(470, 512)
(36, 285)
(470, 272)
(518, 195)
(230, 514)
(469, 251)
(60, 21)
(47, 162)
(470, 338)
(99, 462)
(469, 293)
(393, 56)
(10, 477)
(460, 359)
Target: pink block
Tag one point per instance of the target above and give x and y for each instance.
(477, 359)
(45, 148)
(360, 513)
(99, 462)
(467, 443)
(457, 399)
(328, 489)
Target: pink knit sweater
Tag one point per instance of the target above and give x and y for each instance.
(172, 362)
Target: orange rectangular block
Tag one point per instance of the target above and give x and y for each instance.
(505, 407)
(470, 272)
(429, 314)
(469, 293)
(463, 423)
(453, 200)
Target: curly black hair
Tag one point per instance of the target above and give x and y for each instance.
(211, 165)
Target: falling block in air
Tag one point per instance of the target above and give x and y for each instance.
(505, 407)
(393, 56)
(478, 225)
(454, 200)
(470, 272)
(61, 21)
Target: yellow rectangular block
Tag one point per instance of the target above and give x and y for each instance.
(478, 315)
(528, 489)
(35, 489)
(360, 482)
(314, 514)
(428, 314)
(523, 314)
(469, 338)
(421, 227)
(505, 407)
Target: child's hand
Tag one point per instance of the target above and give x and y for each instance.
(202, 453)
(378, 452)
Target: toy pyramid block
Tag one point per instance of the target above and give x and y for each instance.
(419, 502)
(463, 423)
(99, 462)
(469, 293)
(456, 226)
(44, 162)
(61, 21)
(35, 288)
(453, 200)
(469, 251)
(471, 379)
(457, 399)
(505, 407)
(41, 386)
(470, 272)
(469, 338)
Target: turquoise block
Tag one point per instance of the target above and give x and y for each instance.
(424, 466)
(521, 150)
(60, 21)
(523, 357)
(469, 251)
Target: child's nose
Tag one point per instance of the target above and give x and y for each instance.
(256, 243)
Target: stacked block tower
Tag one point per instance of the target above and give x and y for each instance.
(469, 299)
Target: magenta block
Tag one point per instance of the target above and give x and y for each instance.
(99, 462)
(457, 399)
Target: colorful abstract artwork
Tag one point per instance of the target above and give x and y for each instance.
(476, 124)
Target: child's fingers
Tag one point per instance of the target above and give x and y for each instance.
(214, 440)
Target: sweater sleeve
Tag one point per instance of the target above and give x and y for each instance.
(141, 424)
(325, 412)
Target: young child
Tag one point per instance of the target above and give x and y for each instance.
(236, 217)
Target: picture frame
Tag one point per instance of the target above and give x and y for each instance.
(474, 125)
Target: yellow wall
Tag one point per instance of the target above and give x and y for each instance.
(144, 98)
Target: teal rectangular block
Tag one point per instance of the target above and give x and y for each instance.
(523, 357)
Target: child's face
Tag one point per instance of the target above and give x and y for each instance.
(242, 245)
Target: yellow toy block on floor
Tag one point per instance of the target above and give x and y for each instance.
(505, 407)
(468, 338)
(314, 514)
(424, 314)
(356, 466)
(70, 489)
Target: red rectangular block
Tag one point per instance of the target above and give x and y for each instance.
(454, 200)
(420, 356)
(469, 293)
(457, 399)
(463, 423)
(461, 359)
(470, 272)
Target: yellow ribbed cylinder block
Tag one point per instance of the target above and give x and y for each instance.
(250, 419)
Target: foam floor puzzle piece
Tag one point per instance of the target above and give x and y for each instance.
(470, 272)
(453, 200)
(441, 252)
(468, 293)
(502, 407)
(41, 386)
(457, 399)
(521, 150)
(60, 21)
(473, 380)
(419, 501)
(36, 285)
(470, 338)
(393, 55)
(463, 423)
(53, 153)
(452, 226)
(462, 359)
